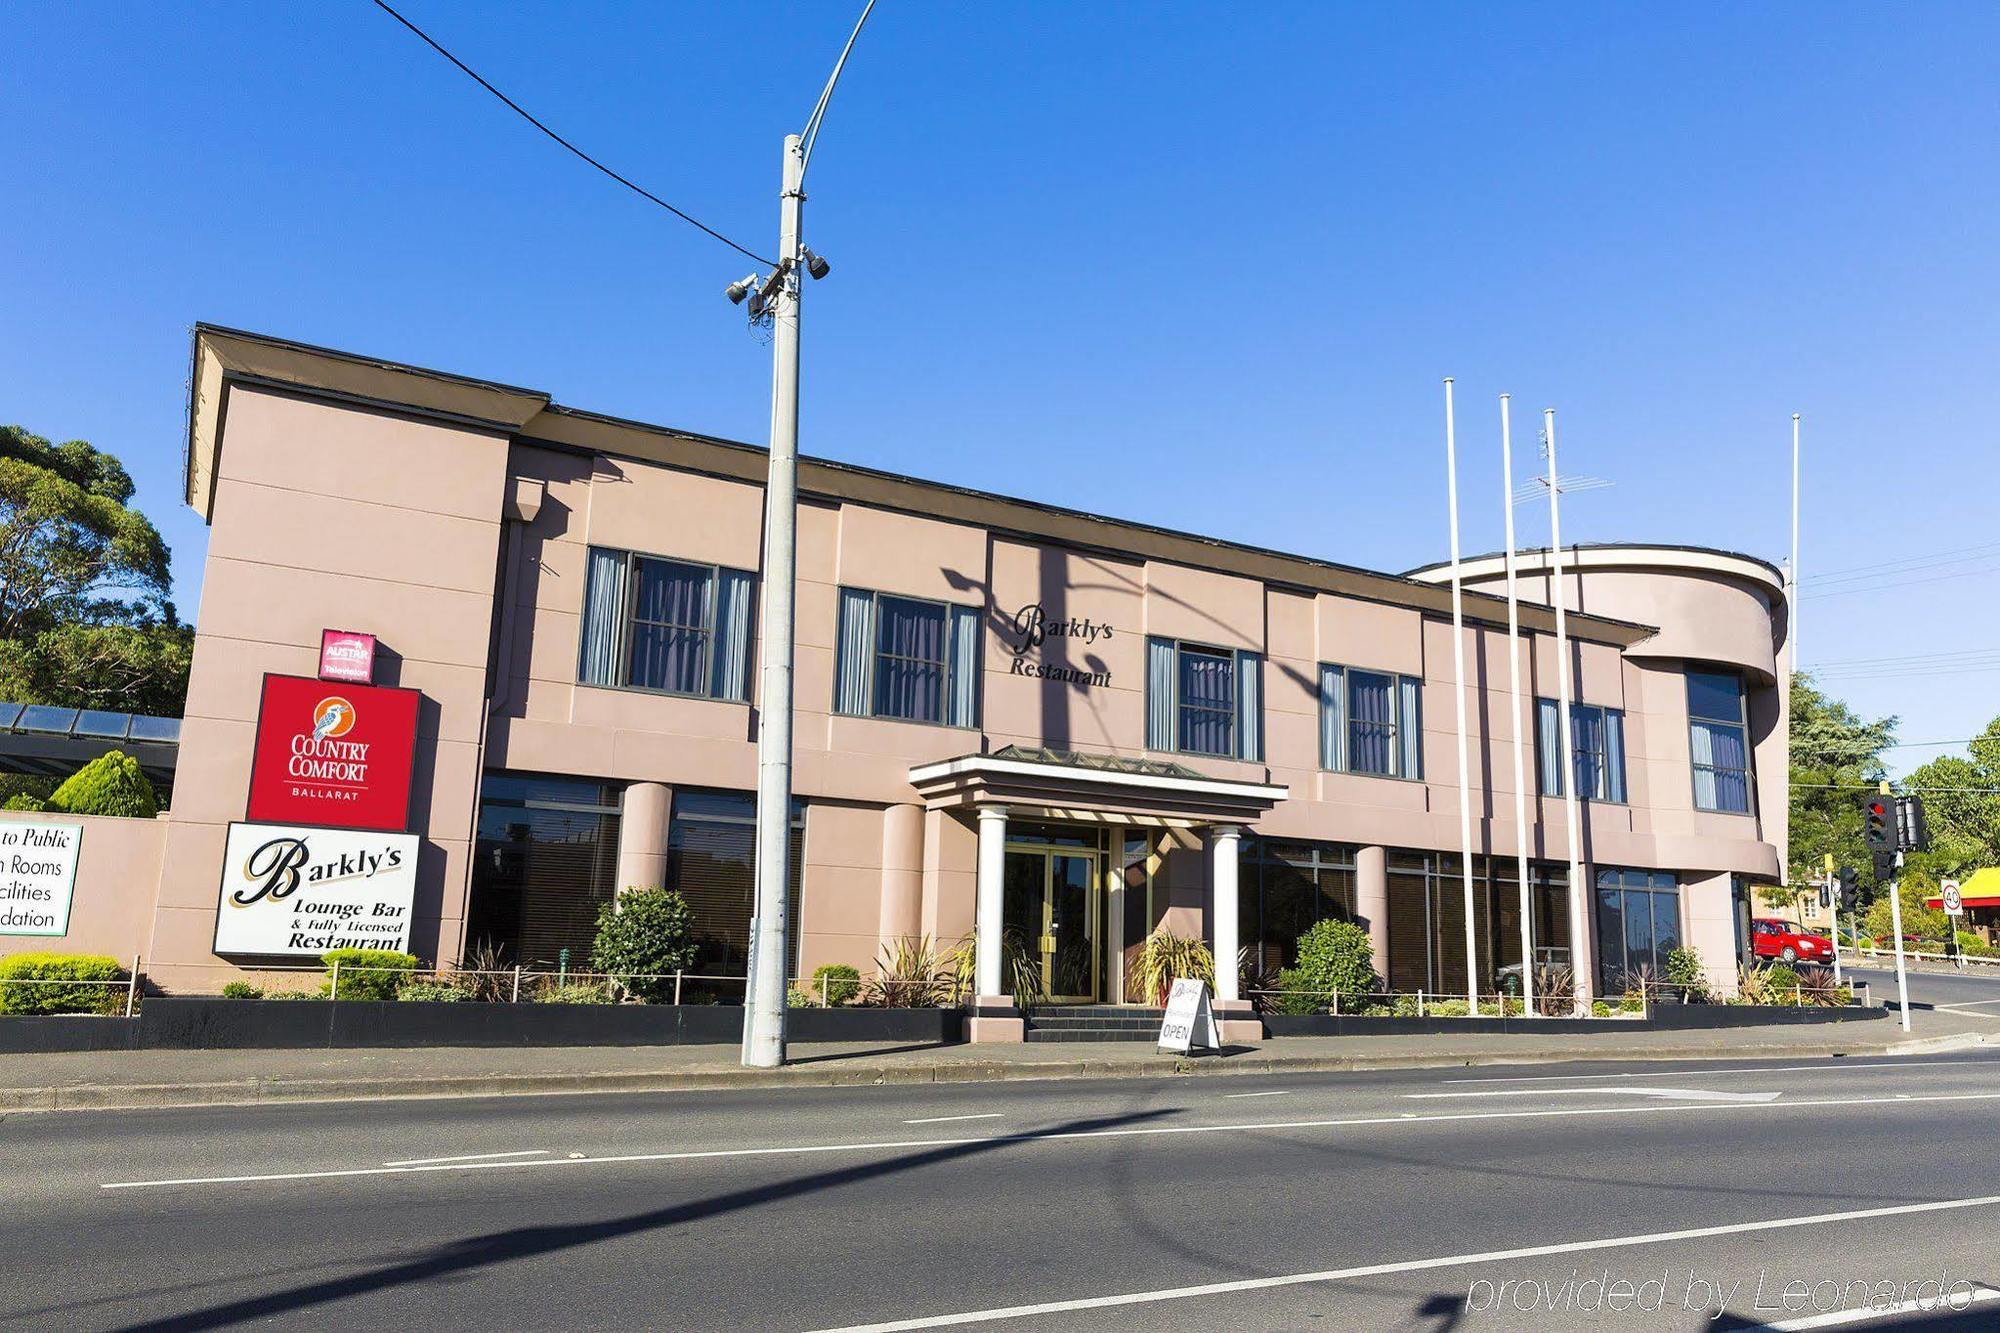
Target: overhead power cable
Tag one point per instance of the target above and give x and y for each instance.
(523, 113)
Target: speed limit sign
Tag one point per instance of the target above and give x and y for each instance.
(1953, 904)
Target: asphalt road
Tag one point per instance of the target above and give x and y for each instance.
(1972, 994)
(1351, 1201)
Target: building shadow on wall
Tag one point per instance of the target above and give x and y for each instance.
(464, 1257)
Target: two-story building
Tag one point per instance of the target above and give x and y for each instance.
(1016, 722)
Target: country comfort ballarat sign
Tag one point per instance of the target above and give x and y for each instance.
(334, 753)
(302, 891)
(1033, 629)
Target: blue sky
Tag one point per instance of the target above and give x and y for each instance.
(1199, 265)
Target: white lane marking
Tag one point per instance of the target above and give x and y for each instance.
(1237, 1096)
(941, 1119)
(467, 1157)
(1869, 1313)
(1665, 1094)
(1842, 1066)
(1406, 1266)
(1964, 1010)
(1036, 1136)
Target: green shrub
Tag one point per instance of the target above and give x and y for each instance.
(1297, 996)
(1445, 1008)
(1781, 982)
(575, 992)
(798, 999)
(837, 982)
(24, 800)
(1685, 972)
(97, 989)
(1972, 946)
(1336, 957)
(241, 990)
(644, 936)
(32, 785)
(1599, 1009)
(110, 784)
(436, 992)
(367, 974)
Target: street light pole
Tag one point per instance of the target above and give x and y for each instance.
(764, 988)
(764, 1003)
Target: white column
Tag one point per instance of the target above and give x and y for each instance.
(987, 918)
(1224, 842)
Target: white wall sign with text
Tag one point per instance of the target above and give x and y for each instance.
(1189, 1022)
(37, 876)
(287, 889)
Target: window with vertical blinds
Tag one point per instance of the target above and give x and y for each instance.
(1598, 743)
(545, 859)
(907, 659)
(1370, 722)
(1427, 920)
(1202, 700)
(711, 863)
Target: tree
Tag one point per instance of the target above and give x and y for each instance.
(1962, 807)
(86, 620)
(1836, 759)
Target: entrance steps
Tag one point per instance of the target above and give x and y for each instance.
(1093, 1022)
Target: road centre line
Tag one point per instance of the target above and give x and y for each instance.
(467, 1157)
(1407, 1266)
(1404, 1118)
(941, 1119)
(1665, 1094)
(1828, 1067)
(1864, 1314)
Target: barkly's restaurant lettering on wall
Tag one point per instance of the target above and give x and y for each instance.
(1033, 628)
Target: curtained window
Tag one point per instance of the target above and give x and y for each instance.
(1202, 700)
(665, 625)
(1599, 750)
(1718, 741)
(907, 659)
(1371, 722)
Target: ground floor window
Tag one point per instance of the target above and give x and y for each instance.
(1638, 925)
(711, 862)
(1427, 921)
(545, 859)
(1284, 889)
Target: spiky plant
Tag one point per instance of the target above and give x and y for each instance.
(1166, 957)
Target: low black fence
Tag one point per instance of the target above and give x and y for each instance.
(168, 1022)
(1664, 1018)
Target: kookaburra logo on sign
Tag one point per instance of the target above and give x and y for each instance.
(1033, 628)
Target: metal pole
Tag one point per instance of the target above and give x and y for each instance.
(1458, 699)
(333, 988)
(1896, 925)
(764, 1007)
(1521, 721)
(1792, 583)
(1833, 914)
(1567, 765)
(517, 983)
(132, 988)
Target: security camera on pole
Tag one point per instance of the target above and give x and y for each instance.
(775, 299)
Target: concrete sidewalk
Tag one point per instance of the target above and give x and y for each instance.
(102, 1080)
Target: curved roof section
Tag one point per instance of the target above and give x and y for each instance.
(1615, 555)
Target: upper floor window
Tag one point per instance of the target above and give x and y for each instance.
(1718, 741)
(1599, 737)
(907, 658)
(1202, 700)
(1370, 722)
(665, 625)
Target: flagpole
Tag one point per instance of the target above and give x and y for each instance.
(1522, 721)
(1567, 765)
(1458, 698)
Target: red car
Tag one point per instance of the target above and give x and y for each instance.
(1783, 940)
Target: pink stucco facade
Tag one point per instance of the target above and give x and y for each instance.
(454, 520)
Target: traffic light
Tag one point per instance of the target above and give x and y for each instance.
(1850, 888)
(1878, 818)
(1913, 834)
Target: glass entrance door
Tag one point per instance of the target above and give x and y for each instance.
(1049, 911)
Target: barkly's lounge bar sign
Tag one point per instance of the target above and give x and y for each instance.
(291, 890)
(1033, 629)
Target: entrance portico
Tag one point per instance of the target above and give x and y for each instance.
(1067, 845)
